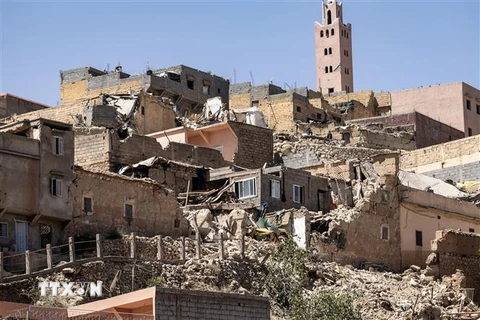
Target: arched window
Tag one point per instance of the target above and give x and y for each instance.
(321, 34)
(326, 69)
(330, 68)
(325, 51)
(347, 34)
(327, 34)
(333, 32)
(329, 17)
(330, 50)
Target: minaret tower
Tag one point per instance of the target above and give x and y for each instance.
(333, 50)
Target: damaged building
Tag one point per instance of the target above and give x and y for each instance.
(36, 159)
(187, 87)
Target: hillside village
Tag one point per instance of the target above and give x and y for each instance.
(178, 190)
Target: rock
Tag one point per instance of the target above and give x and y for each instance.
(415, 268)
(431, 259)
(68, 270)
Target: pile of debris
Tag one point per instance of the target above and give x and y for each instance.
(384, 295)
(328, 150)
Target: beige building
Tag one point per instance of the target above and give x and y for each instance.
(36, 159)
(333, 50)
(11, 104)
(455, 104)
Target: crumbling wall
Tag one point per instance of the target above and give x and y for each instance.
(196, 155)
(337, 170)
(153, 115)
(363, 104)
(384, 140)
(155, 209)
(458, 250)
(64, 113)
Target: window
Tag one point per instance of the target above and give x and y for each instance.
(470, 132)
(331, 90)
(143, 110)
(255, 104)
(333, 32)
(327, 33)
(46, 232)
(246, 188)
(206, 87)
(419, 238)
(326, 69)
(297, 194)
(329, 50)
(176, 223)
(346, 137)
(321, 34)
(469, 107)
(275, 189)
(385, 232)
(87, 205)
(3, 230)
(478, 108)
(325, 51)
(57, 145)
(55, 186)
(128, 211)
(343, 33)
(299, 109)
(319, 116)
(329, 18)
(330, 69)
(219, 91)
(471, 230)
(190, 82)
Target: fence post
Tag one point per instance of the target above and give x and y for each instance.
(132, 245)
(220, 248)
(98, 241)
(160, 248)
(182, 248)
(242, 247)
(198, 246)
(71, 249)
(28, 269)
(48, 249)
(1, 265)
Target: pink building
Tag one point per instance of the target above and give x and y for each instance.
(244, 145)
(454, 104)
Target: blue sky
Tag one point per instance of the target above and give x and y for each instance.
(396, 44)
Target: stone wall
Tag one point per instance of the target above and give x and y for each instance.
(459, 250)
(92, 147)
(186, 305)
(458, 174)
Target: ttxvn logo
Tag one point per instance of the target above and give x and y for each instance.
(71, 289)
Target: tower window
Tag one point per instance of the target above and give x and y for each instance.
(330, 69)
(321, 34)
(329, 17)
(470, 132)
(327, 34)
(478, 108)
(333, 32)
(330, 50)
(326, 69)
(468, 105)
(331, 90)
(325, 51)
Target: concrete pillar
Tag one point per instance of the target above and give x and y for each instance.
(48, 249)
(132, 245)
(160, 254)
(182, 248)
(28, 269)
(71, 249)
(98, 242)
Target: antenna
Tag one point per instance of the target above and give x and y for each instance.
(234, 76)
(252, 79)
(108, 67)
(287, 85)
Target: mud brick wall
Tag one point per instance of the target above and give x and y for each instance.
(92, 146)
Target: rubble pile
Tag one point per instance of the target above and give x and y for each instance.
(395, 296)
(287, 144)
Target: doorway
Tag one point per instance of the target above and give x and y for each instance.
(21, 235)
